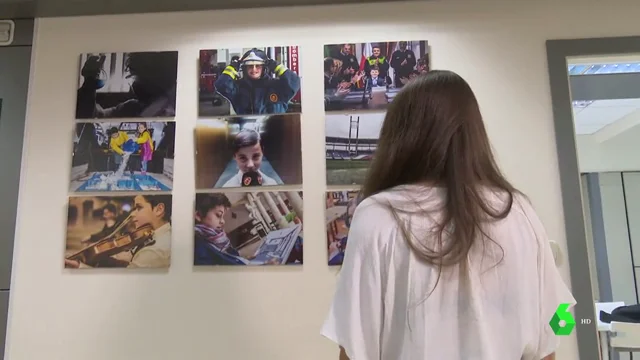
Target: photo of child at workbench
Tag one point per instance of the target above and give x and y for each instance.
(340, 207)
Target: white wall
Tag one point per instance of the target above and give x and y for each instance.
(251, 313)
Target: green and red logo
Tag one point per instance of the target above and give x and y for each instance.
(562, 321)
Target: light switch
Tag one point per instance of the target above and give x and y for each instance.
(7, 28)
(557, 253)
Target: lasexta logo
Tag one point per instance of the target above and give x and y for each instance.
(562, 321)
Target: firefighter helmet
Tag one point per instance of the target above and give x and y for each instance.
(254, 57)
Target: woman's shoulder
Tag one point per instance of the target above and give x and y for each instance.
(386, 209)
(405, 198)
(521, 206)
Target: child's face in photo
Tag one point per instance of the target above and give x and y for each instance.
(375, 73)
(249, 158)
(214, 218)
(254, 71)
(144, 213)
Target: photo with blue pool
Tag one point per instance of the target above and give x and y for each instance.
(123, 156)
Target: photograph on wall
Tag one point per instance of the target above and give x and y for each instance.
(248, 151)
(123, 156)
(249, 81)
(340, 207)
(367, 76)
(248, 228)
(127, 85)
(118, 232)
(350, 142)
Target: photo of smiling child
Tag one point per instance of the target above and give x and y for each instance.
(248, 152)
(248, 228)
(249, 81)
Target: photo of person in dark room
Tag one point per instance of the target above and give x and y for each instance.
(340, 207)
(350, 144)
(123, 156)
(248, 152)
(119, 232)
(127, 85)
(248, 228)
(249, 81)
(366, 76)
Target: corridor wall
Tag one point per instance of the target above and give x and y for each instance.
(262, 313)
(618, 194)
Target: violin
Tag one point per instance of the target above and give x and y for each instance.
(124, 238)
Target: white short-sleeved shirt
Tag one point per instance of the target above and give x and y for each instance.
(384, 307)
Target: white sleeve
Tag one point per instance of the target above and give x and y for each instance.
(552, 290)
(268, 181)
(355, 318)
(232, 182)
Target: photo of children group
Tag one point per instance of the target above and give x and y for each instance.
(248, 151)
(249, 81)
(340, 207)
(123, 156)
(350, 143)
(127, 85)
(248, 228)
(118, 232)
(367, 76)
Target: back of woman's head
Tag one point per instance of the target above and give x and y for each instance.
(433, 134)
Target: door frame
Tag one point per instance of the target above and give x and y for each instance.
(575, 225)
(13, 128)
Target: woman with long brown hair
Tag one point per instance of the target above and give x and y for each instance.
(446, 259)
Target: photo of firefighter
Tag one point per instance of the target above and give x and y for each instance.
(127, 85)
(367, 76)
(340, 207)
(248, 152)
(123, 156)
(249, 81)
(118, 232)
(248, 228)
(350, 143)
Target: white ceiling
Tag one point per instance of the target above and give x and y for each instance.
(604, 119)
(591, 117)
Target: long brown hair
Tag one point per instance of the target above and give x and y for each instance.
(433, 134)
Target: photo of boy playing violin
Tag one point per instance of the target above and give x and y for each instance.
(119, 232)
